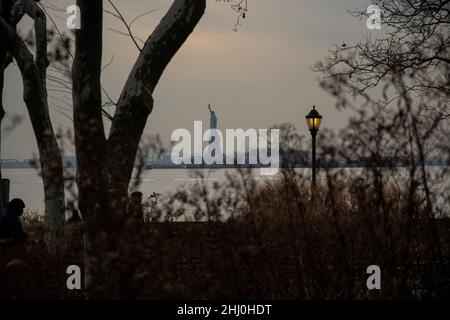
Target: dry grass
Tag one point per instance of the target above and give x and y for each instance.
(280, 244)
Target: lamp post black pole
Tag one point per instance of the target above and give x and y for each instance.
(313, 119)
(313, 134)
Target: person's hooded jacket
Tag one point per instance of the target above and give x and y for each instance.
(10, 225)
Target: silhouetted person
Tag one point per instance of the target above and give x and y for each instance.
(75, 218)
(134, 206)
(10, 225)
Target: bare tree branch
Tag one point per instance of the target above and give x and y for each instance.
(415, 50)
(136, 101)
(35, 97)
(127, 26)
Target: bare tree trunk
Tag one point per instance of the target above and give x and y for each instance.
(5, 8)
(90, 141)
(49, 153)
(136, 101)
(104, 166)
(35, 97)
(2, 115)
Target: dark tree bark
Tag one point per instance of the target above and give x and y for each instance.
(90, 141)
(33, 70)
(5, 9)
(136, 101)
(104, 166)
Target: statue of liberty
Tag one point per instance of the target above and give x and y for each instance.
(212, 125)
(212, 119)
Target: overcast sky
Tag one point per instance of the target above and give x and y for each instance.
(254, 78)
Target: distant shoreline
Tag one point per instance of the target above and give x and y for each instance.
(295, 161)
(192, 167)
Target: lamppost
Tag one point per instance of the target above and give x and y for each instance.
(313, 119)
